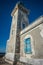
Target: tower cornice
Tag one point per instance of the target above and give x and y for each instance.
(21, 7)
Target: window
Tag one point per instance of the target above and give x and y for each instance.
(27, 46)
(23, 25)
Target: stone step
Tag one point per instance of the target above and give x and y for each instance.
(19, 63)
(2, 62)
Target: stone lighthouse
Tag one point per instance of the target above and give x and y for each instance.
(25, 43)
(19, 22)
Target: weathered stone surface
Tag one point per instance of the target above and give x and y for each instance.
(36, 40)
(13, 44)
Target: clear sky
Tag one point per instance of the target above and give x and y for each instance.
(6, 7)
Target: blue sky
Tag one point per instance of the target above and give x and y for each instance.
(6, 7)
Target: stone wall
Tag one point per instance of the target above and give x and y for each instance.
(36, 42)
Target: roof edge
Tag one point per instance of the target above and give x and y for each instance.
(33, 25)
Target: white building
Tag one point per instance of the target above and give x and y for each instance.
(25, 43)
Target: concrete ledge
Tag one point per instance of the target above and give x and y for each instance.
(31, 61)
(8, 61)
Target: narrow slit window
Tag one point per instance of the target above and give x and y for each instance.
(23, 25)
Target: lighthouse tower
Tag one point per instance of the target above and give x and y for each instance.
(19, 22)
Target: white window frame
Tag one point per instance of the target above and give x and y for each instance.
(32, 46)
